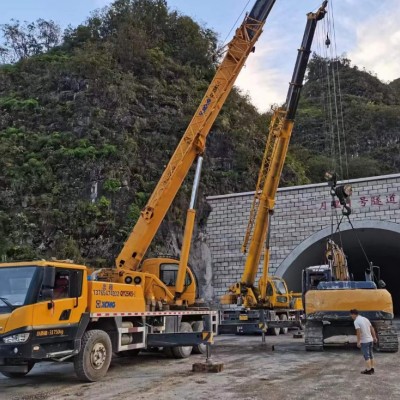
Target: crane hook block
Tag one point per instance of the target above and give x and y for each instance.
(327, 41)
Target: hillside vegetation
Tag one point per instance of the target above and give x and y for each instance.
(90, 118)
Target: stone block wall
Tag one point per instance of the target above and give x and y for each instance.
(299, 212)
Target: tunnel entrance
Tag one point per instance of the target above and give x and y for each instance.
(381, 242)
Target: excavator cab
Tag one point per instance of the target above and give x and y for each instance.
(312, 276)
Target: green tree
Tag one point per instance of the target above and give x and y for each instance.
(23, 40)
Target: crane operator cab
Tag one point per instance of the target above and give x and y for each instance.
(166, 270)
(277, 293)
(61, 286)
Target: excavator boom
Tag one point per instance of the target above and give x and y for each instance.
(193, 141)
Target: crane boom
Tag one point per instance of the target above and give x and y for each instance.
(193, 141)
(274, 158)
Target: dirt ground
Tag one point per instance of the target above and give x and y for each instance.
(251, 371)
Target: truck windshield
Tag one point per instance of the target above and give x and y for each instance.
(279, 286)
(14, 286)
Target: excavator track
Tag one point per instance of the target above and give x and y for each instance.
(313, 336)
(388, 341)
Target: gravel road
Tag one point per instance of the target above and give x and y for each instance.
(251, 371)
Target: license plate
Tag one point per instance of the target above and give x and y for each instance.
(243, 317)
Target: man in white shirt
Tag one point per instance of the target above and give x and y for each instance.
(366, 337)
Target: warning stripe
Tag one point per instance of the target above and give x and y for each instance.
(263, 326)
(208, 336)
(151, 313)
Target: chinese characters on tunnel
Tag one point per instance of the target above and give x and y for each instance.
(363, 201)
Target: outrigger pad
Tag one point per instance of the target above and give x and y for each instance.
(207, 367)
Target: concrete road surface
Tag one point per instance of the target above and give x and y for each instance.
(252, 371)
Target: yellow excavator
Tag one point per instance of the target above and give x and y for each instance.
(330, 293)
(59, 311)
(266, 304)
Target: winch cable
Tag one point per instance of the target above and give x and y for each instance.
(359, 241)
(326, 99)
(234, 25)
(334, 60)
(221, 49)
(329, 99)
(340, 92)
(322, 78)
(340, 122)
(335, 119)
(327, 93)
(334, 103)
(339, 222)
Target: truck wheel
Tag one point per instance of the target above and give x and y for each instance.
(183, 351)
(168, 352)
(283, 317)
(274, 331)
(198, 326)
(94, 358)
(19, 374)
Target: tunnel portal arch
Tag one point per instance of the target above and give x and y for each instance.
(381, 242)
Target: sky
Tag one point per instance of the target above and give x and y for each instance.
(366, 31)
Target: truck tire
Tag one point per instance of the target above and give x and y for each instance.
(283, 317)
(168, 352)
(198, 326)
(17, 375)
(183, 351)
(94, 358)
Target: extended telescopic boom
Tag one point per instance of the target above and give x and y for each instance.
(274, 158)
(193, 141)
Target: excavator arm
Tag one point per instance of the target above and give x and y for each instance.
(193, 141)
(337, 261)
(274, 158)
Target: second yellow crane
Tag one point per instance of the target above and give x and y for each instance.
(271, 293)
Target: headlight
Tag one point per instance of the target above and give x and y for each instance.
(19, 338)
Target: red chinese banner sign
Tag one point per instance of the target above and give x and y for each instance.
(362, 201)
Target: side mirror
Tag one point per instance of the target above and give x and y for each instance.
(75, 284)
(48, 285)
(49, 277)
(47, 294)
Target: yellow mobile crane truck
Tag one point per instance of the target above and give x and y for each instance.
(59, 311)
(270, 305)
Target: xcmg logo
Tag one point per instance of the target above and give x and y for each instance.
(105, 304)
